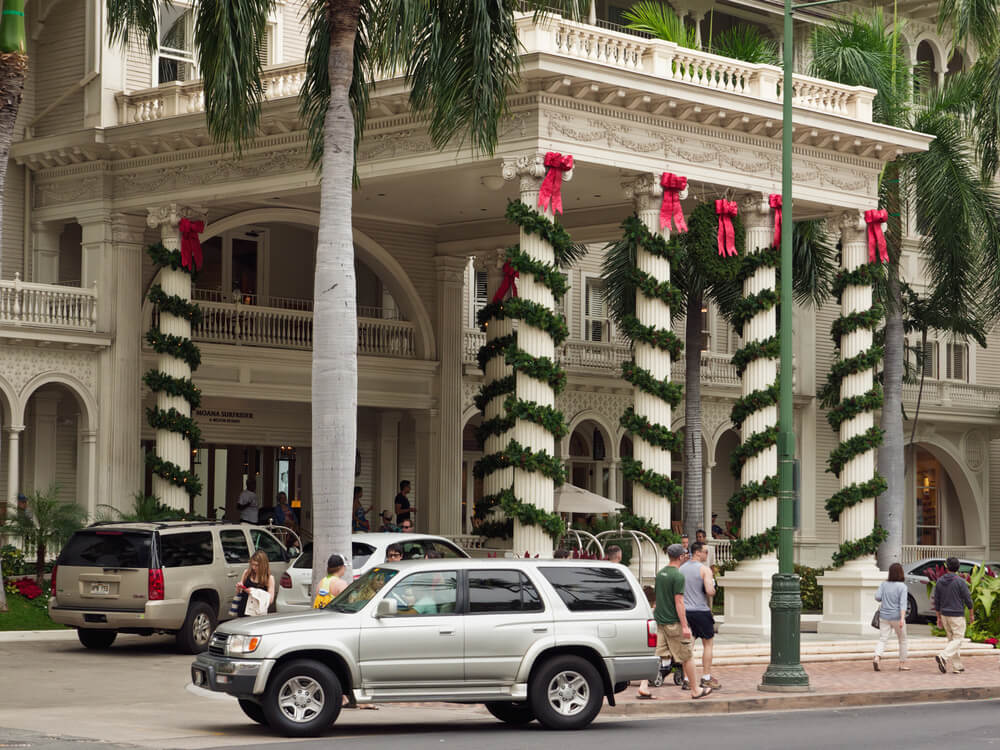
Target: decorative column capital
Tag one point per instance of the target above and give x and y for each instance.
(645, 192)
(169, 215)
(530, 168)
(15, 430)
(755, 210)
(450, 269)
(852, 226)
(128, 229)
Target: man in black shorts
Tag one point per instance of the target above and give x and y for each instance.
(699, 588)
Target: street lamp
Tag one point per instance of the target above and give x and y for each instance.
(785, 672)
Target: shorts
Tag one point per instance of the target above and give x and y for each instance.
(671, 642)
(702, 624)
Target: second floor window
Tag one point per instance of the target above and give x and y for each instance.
(175, 59)
(946, 360)
(596, 326)
(957, 361)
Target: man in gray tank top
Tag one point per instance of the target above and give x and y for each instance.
(699, 588)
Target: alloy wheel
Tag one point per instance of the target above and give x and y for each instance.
(568, 693)
(301, 699)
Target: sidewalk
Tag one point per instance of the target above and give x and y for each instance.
(833, 684)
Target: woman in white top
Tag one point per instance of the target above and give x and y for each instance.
(892, 615)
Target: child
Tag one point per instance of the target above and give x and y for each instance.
(332, 584)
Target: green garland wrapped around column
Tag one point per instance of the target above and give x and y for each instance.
(512, 370)
(177, 433)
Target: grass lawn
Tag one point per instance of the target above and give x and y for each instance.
(24, 615)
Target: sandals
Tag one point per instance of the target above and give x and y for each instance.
(704, 691)
(875, 662)
(904, 668)
(646, 697)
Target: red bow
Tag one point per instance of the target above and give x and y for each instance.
(727, 235)
(671, 207)
(551, 191)
(775, 202)
(509, 282)
(190, 246)
(876, 240)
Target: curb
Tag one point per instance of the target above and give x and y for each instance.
(789, 702)
(21, 636)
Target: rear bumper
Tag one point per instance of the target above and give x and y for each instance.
(624, 668)
(164, 615)
(239, 677)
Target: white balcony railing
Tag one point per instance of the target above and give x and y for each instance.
(913, 552)
(48, 305)
(280, 328)
(948, 394)
(553, 35)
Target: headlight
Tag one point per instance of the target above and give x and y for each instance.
(241, 645)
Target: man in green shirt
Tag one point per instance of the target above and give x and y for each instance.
(673, 632)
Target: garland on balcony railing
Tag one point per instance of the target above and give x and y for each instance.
(543, 369)
(752, 445)
(846, 408)
(157, 381)
(637, 236)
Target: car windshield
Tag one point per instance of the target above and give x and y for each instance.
(362, 591)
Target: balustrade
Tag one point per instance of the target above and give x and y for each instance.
(48, 305)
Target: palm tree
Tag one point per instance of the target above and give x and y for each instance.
(48, 523)
(461, 59)
(955, 204)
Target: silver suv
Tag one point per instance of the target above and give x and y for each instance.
(531, 639)
(170, 577)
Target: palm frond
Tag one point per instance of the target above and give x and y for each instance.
(978, 20)
(566, 257)
(747, 43)
(986, 118)
(659, 20)
(128, 18)
(229, 35)
(814, 262)
(619, 286)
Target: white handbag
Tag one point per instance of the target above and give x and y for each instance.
(257, 602)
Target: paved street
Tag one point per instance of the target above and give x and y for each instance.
(136, 694)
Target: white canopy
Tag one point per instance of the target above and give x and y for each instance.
(572, 499)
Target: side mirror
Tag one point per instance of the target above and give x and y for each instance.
(386, 608)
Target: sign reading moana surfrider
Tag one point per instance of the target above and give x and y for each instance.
(220, 416)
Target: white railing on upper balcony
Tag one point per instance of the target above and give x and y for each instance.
(285, 303)
(48, 305)
(554, 35)
(950, 394)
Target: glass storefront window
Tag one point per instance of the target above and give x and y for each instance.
(928, 499)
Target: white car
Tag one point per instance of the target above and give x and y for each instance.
(918, 603)
(367, 550)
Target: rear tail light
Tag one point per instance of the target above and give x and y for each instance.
(651, 633)
(155, 592)
(286, 581)
(52, 586)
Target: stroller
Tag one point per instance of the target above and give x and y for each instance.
(675, 668)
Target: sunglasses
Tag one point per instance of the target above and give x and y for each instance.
(406, 526)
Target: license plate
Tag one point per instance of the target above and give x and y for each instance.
(100, 588)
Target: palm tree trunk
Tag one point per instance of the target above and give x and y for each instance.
(693, 479)
(335, 332)
(13, 68)
(40, 563)
(3, 591)
(920, 390)
(890, 456)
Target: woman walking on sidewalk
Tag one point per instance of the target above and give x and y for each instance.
(892, 615)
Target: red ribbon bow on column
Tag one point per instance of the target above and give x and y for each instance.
(190, 246)
(551, 191)
(775, 202)
(672, 185)
(877, 251)
(727, 235)
(510, 276)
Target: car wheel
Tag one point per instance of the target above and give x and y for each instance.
(197, 629)
(911, 610)
(253, 710)
(302, 698)
(566, 692)
(517, 714)
(96, 638)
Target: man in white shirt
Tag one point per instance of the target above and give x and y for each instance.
(248, 503)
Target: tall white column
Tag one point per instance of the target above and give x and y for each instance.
(848, 592)
(45, 252)
(13, 462)
(450, 287)
(86, 469)
(647, 195)
(427, 489)
(748, 588)
(172, 446)
(496, 370)
(387, 480)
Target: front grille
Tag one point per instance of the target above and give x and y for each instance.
(217, 646)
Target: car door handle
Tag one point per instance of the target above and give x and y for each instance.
(446, 631)
(540, 629)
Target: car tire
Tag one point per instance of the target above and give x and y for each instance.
(566, 692)
(912, 616)
(518, 714)
(253, 710)
(302, 698)
(196, 632)
(96, 639)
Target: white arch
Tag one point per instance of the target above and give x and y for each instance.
(376, 257)
(9, 403)
(468, 414)
(940, 58)
(975, 509)
(597, 418)
(84, 397)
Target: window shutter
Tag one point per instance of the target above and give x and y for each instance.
(265, 48)
(956, 364)
(595, 313)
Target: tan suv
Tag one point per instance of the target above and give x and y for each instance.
(171, 577)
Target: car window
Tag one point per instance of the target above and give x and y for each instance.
(502, 591)
(590, 589)
(422, 594)
(187, 550)
(108, 548)
(446, 549)
(234, 546)
(921, 570)
(360, 552)
(272, 547)
(358, 593)
(965, 567)
(414, 550)
(305, 560)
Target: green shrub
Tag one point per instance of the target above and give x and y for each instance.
(812, 592)
(11, 560)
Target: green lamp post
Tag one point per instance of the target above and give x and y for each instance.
(785, 672)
